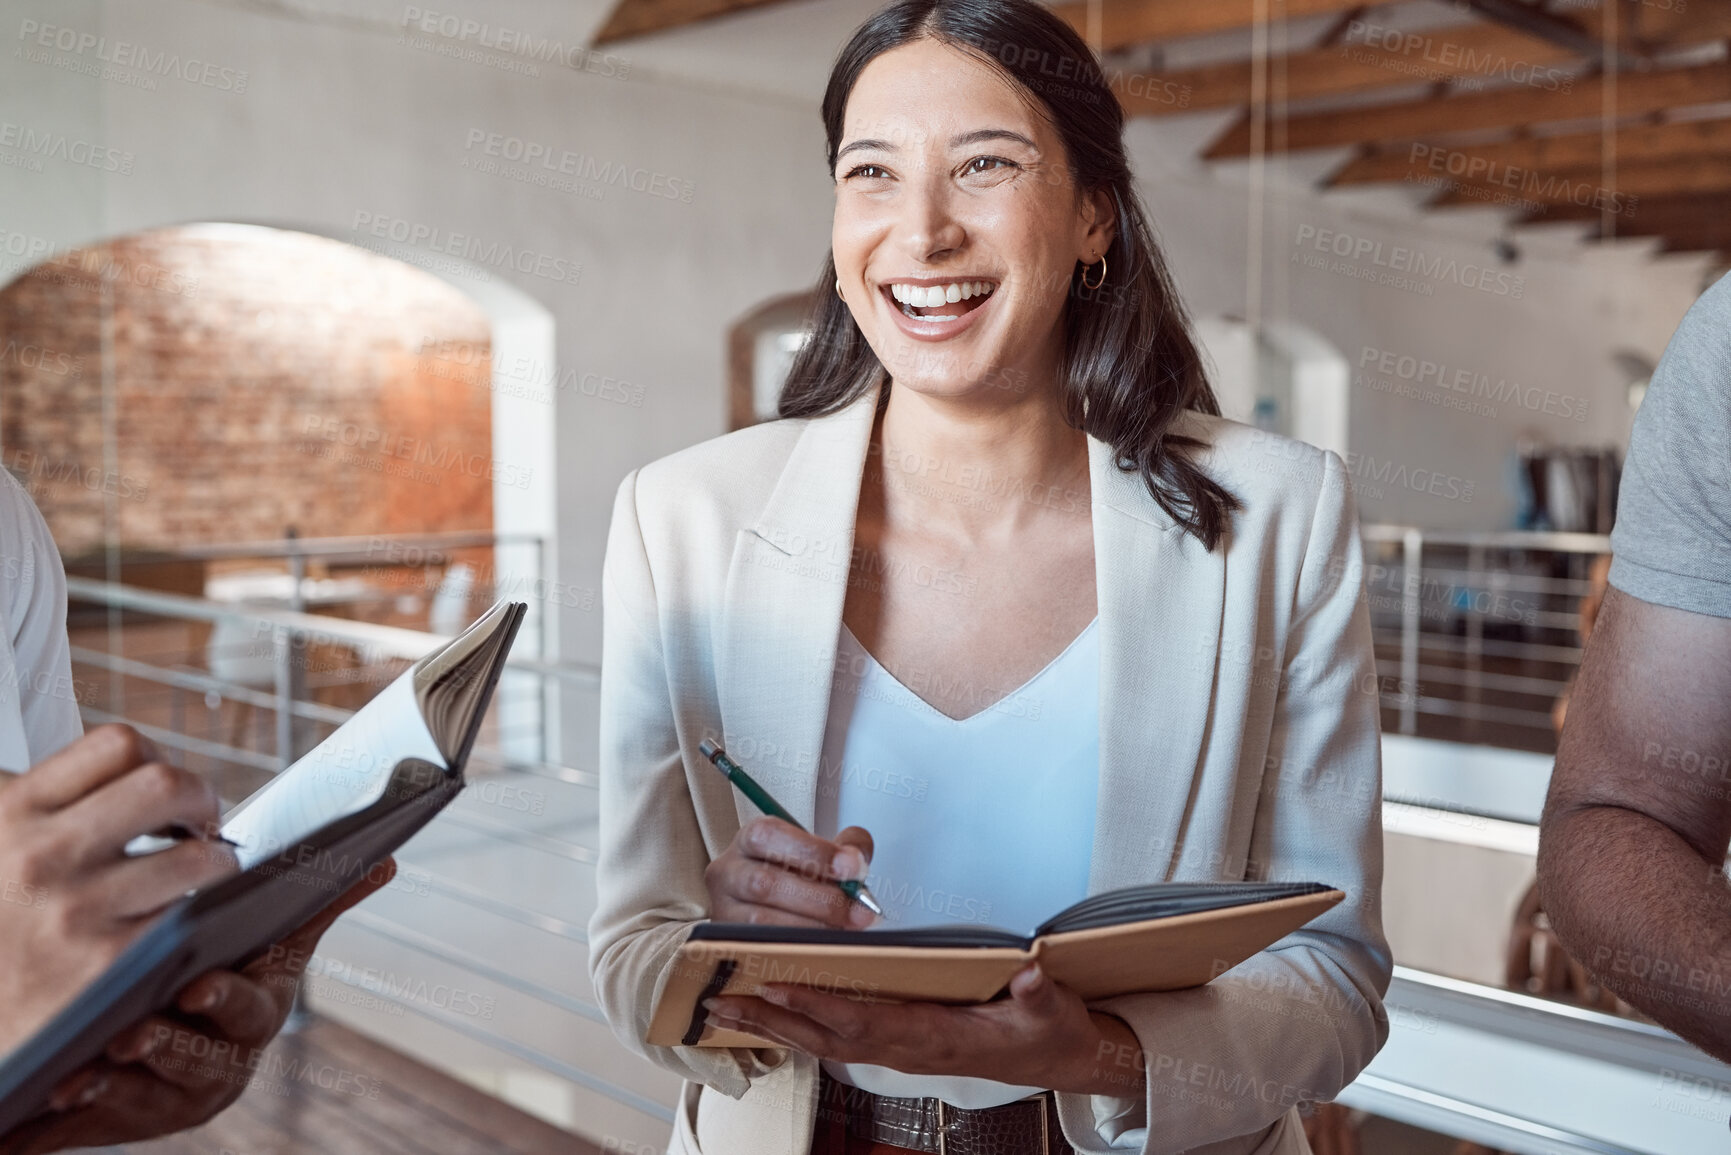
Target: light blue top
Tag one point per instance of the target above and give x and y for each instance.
(986, 819)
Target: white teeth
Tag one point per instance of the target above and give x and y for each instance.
(927, 296)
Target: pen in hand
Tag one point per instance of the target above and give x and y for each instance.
(735, 773)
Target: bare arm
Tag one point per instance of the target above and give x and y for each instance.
(1633, 839)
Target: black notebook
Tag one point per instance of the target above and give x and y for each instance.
(306, 837)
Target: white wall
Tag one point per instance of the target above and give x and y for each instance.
(338, 119)
(1549, 323)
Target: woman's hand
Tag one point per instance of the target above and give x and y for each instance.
(776, 874)
(1043, 1035)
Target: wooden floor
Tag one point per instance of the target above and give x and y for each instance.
(329, 1091)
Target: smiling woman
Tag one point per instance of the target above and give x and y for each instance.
(1000, 392)
(1053, 157)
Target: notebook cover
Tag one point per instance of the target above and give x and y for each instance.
(1163, 954)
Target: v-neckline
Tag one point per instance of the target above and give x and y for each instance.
(992, 707)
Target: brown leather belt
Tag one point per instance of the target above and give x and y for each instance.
(1025, 1127)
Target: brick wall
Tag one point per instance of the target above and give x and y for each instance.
(256, 379)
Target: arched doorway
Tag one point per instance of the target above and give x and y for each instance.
(175, 391)
(760, 350)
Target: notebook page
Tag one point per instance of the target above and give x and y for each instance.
(345, 773)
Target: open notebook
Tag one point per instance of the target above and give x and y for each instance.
(429, 714)
(303, 839)
(1161, 937)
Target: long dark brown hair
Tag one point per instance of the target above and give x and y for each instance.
(1130, 367)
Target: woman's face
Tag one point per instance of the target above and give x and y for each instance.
(957, 224)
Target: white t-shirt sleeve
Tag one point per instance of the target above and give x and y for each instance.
(38, 701)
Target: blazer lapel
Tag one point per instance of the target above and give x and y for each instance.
(1160, 602)
(782, 611)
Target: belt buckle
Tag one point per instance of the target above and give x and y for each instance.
(1045, 1127)
(942, 1150)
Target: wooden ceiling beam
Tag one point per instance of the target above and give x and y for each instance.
(1535, 21)
(1683, 223)
(1584, 188)
(1124, 23)
(1692, 234)
(1458, 51)
(1719, 232)
(1652, 212)
(1515, 162)
(1658, 24)
(1638, 94)
(1715, 241)
(631, 18)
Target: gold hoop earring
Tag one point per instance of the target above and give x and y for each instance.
(1099, 282)
(838, 288)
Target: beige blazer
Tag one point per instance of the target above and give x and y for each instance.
(1238, 738)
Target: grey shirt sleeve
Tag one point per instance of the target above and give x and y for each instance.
(1672, 541)
(34, 586)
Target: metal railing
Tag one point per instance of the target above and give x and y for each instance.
(1477, 634)
(1444, 639)
(149, 690)
(1532, 1076)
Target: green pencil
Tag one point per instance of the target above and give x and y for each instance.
(762, 799)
